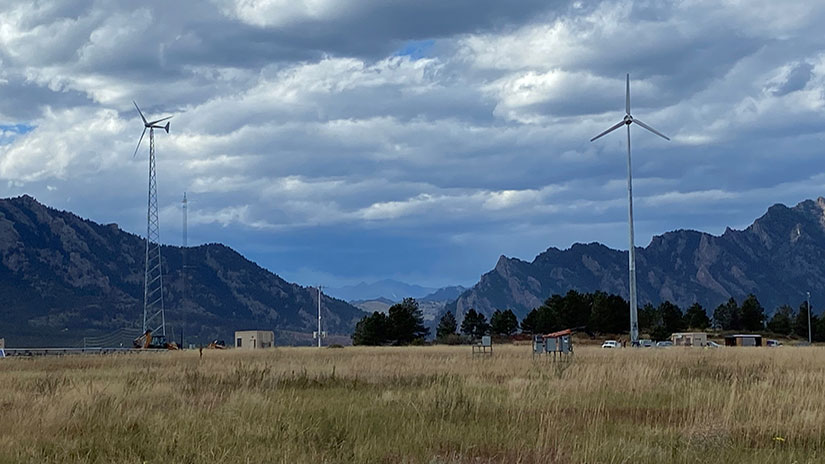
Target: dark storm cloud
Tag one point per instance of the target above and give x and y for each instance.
(798, 76)
(438, 134)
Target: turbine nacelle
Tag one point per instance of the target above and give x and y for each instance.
(628, 119)
(149, 125)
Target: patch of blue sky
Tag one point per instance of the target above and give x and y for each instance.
(8, 132)
(416, 49)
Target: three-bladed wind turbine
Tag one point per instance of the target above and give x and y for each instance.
(154, 318)
(627, 121)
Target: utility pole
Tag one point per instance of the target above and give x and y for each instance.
(183, 267)
(319, 316)
(809, 318)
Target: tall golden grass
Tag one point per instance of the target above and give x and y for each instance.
(417, 405)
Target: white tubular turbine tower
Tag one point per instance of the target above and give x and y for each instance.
(627, 121)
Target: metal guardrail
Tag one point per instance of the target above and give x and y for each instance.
(11, 352)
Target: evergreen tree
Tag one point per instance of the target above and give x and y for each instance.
(371, 330)
(545, 318)
(671, 317)
(800, 323)
(573, 310)
(406, 322)
(608, 314)
(753, 314)
(530, 321)
(660, 332)
(504, 323)
(474, 324)
(782, 320)
(728, 316)
(647, 318)
(696, 317)
(446, 326)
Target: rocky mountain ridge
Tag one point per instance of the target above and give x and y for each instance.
(778, 258)
(63, 277)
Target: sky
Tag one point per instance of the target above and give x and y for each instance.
(334, 142)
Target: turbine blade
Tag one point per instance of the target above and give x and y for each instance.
(159, 120)
(627, 96)
(618, 125)
(651, 129)
(139, 112)
(140, 140)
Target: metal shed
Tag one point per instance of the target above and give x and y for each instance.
(558, 343)
(743, 340)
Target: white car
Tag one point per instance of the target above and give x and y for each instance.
(611, 344)
(713, 344)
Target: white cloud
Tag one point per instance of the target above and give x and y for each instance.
(299, 119)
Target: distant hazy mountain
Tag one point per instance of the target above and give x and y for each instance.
(432, 305)
(63, 277)
(445, 294)
(379, 304)
(778, 258)
(387, 288)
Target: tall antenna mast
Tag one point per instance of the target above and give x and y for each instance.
(319, 317)
(154, 317)
(185, 225)
(627, 121)
(183, 261)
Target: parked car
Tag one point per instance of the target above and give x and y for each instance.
(773, 343)
(646, 343)
(713, 344)
(664, 343)
(611, 344)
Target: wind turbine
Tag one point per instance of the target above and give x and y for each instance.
(154, 318)
(627, 121)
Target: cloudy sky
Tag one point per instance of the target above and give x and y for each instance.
(337, 141)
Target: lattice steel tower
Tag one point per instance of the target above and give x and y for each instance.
(154, 317)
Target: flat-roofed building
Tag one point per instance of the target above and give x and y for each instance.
(254, 339)
(743, 340)
(689, 339)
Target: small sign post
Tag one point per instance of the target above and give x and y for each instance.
(485, 347)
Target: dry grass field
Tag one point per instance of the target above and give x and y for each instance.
(417, 405)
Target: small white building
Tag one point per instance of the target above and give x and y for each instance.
(254, 339)
(690, 339)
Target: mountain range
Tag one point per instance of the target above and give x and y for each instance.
(390, 289)
(778, 258)
(63, 278)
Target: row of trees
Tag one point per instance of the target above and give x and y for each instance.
(475, 325)
(750, 316)
(599, 312)
(402, 325)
